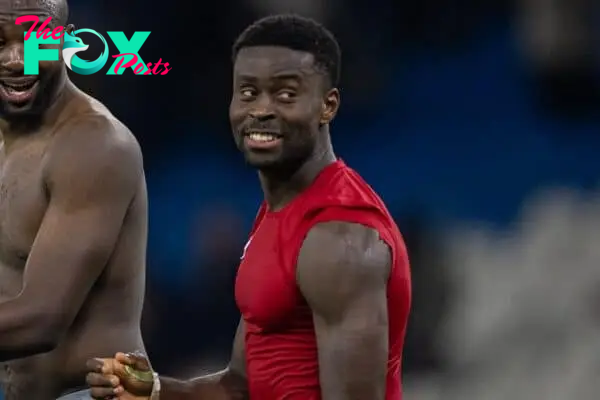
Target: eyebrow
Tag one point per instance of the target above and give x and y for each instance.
(28, 25)
(283, 76)
(247, 78)
(41, 14)
(288, 76)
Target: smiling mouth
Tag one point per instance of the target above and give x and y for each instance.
(264, 137)
(18, 90)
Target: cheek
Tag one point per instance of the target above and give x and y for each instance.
(303, 112)
(13, 52)
(233, 107)
(236, 114)
(51, 66)
(315, 109)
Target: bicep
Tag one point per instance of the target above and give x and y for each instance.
(79, 230)
(353, 349)
(342, 272)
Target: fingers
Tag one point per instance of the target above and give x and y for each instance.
(100, 393)
(94, 365)
(96, 379)
(103, 385)
(124, 359)
(101, 365)
(137, 360)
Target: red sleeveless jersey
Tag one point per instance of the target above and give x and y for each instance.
(281, 349)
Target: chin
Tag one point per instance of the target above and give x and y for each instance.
(31, 100)
(262, 161)
(9, 110)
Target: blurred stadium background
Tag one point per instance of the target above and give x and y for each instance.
(477, 121)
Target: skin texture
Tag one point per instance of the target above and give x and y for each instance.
(342, 269)
(52, 74)
(73, 227)
(342, 273)
(107, 377)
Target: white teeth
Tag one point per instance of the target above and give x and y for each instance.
(262, 137)
(18, 89)
(13, 90)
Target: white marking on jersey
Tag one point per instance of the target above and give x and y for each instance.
(246, 248)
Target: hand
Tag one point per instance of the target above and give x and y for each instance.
(110, 377)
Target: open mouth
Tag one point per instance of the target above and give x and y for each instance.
(262, 140)
(263, 137)
(18, 90)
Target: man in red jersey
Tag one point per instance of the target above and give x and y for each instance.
(324, 284)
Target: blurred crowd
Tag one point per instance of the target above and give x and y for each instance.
(478, 123)
(524, 319)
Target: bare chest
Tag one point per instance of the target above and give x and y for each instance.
(22, 206)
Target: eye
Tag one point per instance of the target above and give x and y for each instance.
(286, 95)
(247, 92)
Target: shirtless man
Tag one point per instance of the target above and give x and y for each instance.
(73, 222)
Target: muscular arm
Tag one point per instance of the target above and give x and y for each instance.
(229, 384)
(91, 178)
(342, 272)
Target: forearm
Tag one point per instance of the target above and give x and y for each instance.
(23, 331)
(195, 388)
(223, 385)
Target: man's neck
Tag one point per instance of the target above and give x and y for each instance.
(280, 189)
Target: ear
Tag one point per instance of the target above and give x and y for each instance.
(69, 29)
(331, 104)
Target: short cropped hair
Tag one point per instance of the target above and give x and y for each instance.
(57, 9)
(296, 33)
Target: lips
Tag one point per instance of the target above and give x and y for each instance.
(18, 90)
(262, 136)
(261, 140)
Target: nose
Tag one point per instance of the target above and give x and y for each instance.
(262, 115)
(13, 60)
(261, 109)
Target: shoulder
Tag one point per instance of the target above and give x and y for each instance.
(94, 131)
(344, 241)
(95, 146)
(347, 244)
(348, 256)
